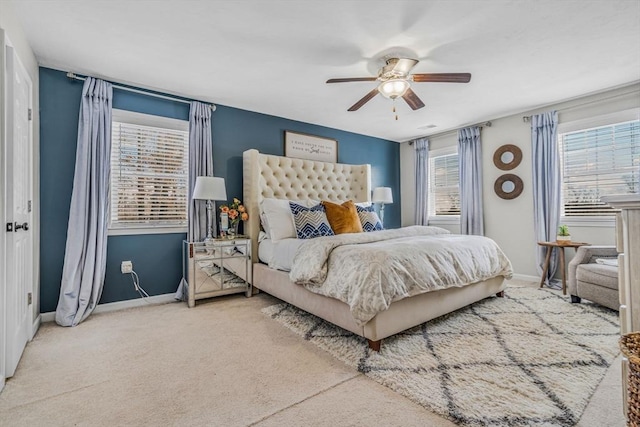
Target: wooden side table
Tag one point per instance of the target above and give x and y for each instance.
(560, 245)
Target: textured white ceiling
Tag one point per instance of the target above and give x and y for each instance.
(274, 57)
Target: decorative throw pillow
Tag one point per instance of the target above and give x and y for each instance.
(276, 217)
(369, 218)
(343, 218)
(310, 222)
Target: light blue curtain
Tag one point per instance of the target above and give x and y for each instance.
(546, 184)
(200, 164)
(470, 173)
(422, 181)
(85, 255)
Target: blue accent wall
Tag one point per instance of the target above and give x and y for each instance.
(157, 257)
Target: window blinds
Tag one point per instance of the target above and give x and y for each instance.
(597, 162)
(149, 175)
(444, 184)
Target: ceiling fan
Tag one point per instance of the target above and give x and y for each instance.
(394, 81)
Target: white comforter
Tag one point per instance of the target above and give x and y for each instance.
(369, 271)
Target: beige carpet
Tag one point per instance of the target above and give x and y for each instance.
(222, 363)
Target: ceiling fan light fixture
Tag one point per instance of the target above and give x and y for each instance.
(393, 88)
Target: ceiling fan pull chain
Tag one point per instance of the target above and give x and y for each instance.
(394, 108)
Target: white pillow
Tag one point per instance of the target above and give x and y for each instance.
(607, 261)
(278, 219)
(363, 204)
(265, 225)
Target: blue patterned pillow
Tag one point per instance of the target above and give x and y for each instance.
(369, 218)
(310, 222)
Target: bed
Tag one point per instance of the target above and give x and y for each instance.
(275, 177)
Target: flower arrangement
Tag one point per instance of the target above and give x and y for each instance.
(237, 212)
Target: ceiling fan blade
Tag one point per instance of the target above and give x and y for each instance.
(353, 79)
(412, 99)
(364, 100)
(442, 77)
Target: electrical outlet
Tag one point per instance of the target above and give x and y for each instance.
(126, 267)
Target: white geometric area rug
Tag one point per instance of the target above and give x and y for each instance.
(529, 359)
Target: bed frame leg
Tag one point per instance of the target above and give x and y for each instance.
(500, 294)
(375, 345)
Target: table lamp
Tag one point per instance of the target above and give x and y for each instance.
(209, 188)
(382, 195)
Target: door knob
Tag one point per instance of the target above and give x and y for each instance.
(24, 226)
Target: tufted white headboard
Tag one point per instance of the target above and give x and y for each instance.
(277, 177)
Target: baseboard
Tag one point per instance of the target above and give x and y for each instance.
(36, 325)
(120, 305)
(166, 298)
(526, 277)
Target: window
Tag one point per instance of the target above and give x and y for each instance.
(149, 173)
(444, 189)
(598, 161)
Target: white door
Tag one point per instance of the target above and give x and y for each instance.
(3, 295)
(19, 237)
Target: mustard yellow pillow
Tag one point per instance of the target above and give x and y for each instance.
(343, 218)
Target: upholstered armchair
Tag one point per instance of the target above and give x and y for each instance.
(592, 280)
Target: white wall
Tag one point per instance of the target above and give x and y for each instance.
(510, 222)
(407, 184)
(14, 36)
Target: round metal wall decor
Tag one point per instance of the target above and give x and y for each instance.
(508, 186)
(507, 157)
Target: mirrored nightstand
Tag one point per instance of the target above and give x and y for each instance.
(219, 268)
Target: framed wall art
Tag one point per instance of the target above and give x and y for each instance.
(310, 147)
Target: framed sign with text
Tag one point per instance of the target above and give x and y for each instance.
(310, 147)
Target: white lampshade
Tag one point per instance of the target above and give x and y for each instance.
(382, 195)
(393, 88)
(209, 188)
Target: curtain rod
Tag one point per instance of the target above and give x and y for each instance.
(526, 119)
(481, 125)
(142, 92)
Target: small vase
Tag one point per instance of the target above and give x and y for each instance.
(563, 239)
(233, 230)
